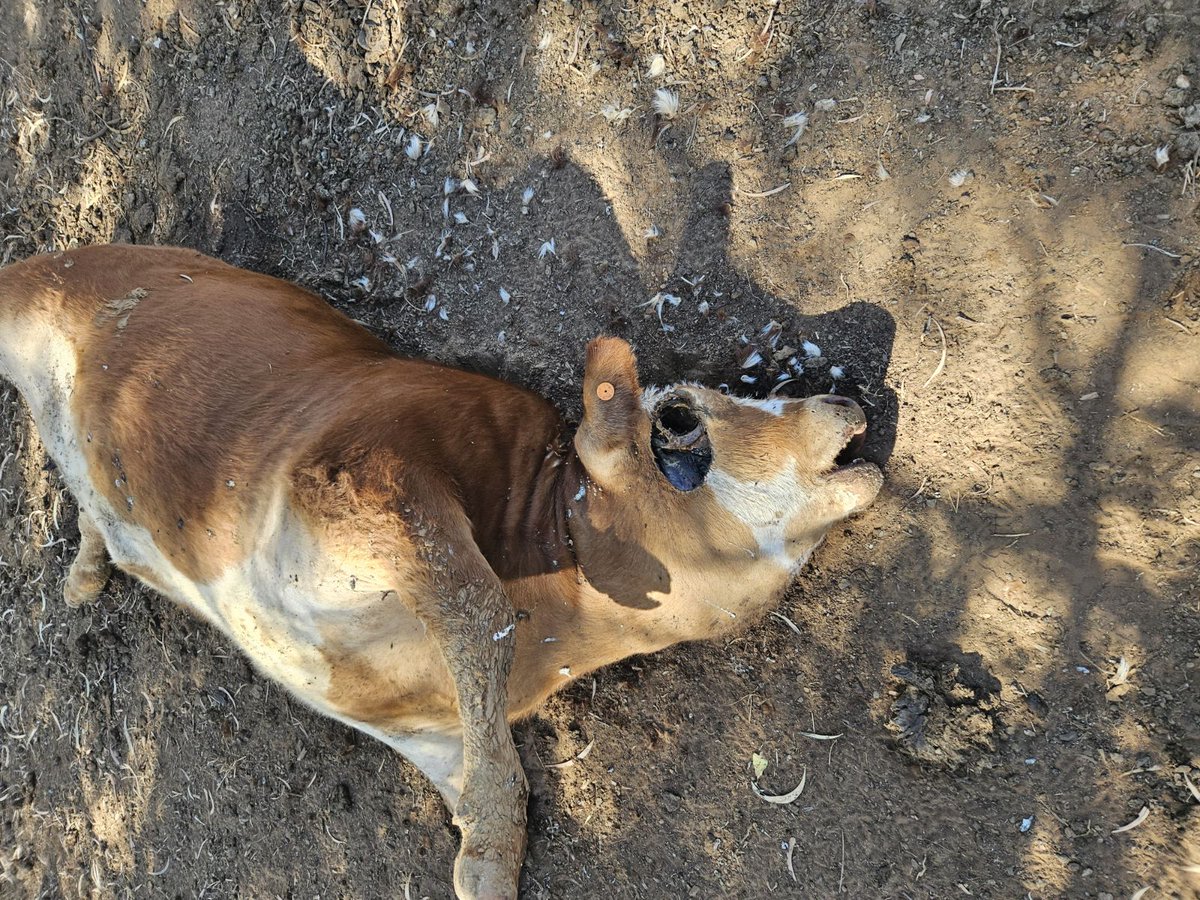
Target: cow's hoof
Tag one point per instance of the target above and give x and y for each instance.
(83, 585)
(485, 877)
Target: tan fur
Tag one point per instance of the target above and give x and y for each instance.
(420, 552)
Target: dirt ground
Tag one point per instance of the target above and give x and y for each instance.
(989, 224)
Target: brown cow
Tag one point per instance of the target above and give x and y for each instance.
(422, 553)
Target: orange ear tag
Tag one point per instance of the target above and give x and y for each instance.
(605, 391)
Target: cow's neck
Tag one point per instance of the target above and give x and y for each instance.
(612, 599)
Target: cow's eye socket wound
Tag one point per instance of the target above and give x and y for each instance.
(681, 447)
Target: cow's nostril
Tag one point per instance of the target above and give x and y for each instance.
(835, 400)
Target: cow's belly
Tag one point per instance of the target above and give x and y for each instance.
(332, 630)
(329, 631)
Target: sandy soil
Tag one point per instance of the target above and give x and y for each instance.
(974, 226)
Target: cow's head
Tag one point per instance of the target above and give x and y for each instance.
(711, 501)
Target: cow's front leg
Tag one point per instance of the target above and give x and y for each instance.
(473, 622)
(91, 569)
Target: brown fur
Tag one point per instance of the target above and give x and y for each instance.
(454, 556)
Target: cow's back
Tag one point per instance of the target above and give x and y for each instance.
(172, 389)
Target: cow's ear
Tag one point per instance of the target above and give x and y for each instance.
(614, 422)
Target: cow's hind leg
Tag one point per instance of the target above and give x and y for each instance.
(91, 568)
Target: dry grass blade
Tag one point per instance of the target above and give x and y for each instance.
(941, 362)
(1138, 820)
(1154, 248)
(786, 621)
(770, 193)
(791, 848)
(782, 799)
(1191, 787)
(581, 755)
(820, 737)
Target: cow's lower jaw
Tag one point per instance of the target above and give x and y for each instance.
(858, 482)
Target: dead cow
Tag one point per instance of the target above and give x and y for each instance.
(422, 553)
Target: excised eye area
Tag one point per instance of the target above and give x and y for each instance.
(679, 440)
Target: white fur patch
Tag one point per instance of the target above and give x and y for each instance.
(766, 508)
(773, 405)
(653, 396)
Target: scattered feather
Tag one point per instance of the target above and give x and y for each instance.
(431, 114)
(1026, 824)
(505, 296)
(659, 301)
(460, 218)
(652, 232)
(748, 379)
(362, 282)
(703, 307)
(614, 114)
(444, 314)
(1162, 155)
(1121, 675)
(544, 43)
(666, 103)
(837, 373)
(882, 173)
(469, 186)
(749, 357)
(797, 123)
(782, 799)
(449, 186)
(811, 350)
(825, 105)
(959, 177)
(658, 65)
(771, 333)
(547, 249)
(431, 303)
(413, 148)
(357, 220)
(526, 197)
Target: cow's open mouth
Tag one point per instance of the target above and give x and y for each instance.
(850, 454)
